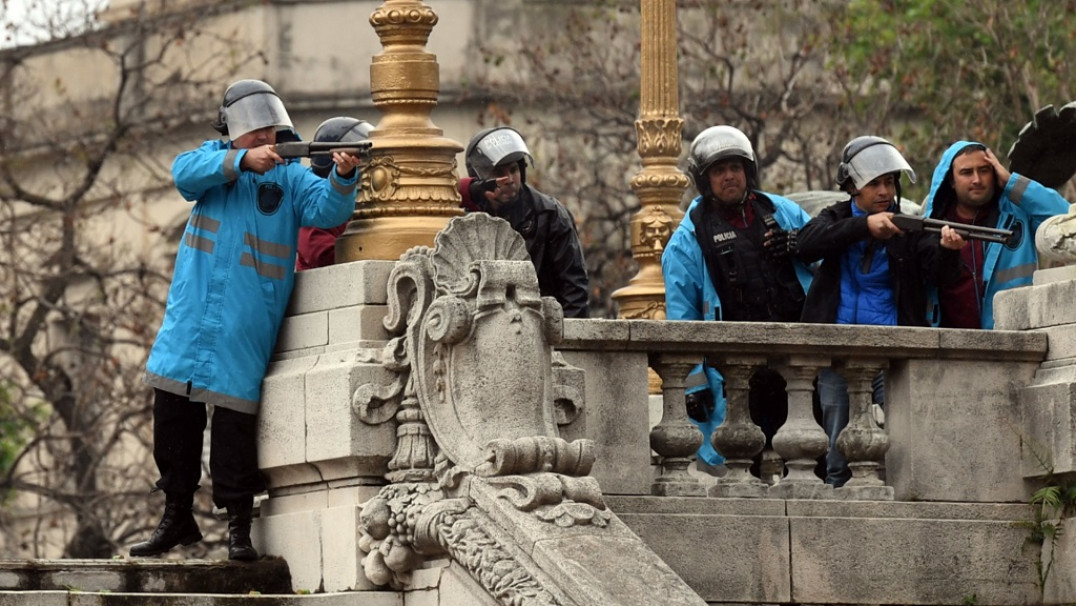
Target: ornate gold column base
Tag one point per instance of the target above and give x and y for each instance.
(408, 191)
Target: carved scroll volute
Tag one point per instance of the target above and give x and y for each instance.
(483, 369)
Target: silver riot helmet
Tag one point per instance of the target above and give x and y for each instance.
(718, 143)
(249, 105)
(495, 147)
(341, 129)
(865, 159)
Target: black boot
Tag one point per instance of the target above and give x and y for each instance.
(177, 527)
(239, 516)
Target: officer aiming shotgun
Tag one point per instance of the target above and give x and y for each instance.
(971, 232)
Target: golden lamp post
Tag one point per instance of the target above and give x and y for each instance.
(409, 189)
(660, 184)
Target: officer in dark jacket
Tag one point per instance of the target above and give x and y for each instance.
(871, 271)
(497, 167)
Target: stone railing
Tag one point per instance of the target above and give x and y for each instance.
(953, 428)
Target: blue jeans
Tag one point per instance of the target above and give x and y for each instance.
(833, 398)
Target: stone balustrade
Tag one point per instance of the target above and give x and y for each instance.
(953, 422)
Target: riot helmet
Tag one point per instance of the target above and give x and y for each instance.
(494, 147)
(719, 143)
(865, 159)
(341, 129)
(249, 105)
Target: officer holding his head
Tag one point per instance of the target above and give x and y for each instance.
(496, 161)
(871, 271)
(317, 246)
(732, 258)
(232, 280)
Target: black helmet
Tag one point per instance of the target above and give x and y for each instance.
(718, 143)
(341, 129)
(494, 147)
(247, 106)
(867, 158)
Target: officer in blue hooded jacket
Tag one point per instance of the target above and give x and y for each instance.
(231, 284)
(732, 259)
(970, 186)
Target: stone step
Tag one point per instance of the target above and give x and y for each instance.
(75, 598)
(268, 575)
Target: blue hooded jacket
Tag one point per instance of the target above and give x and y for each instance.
(690, 295)
(1022, 206)
(234, 271)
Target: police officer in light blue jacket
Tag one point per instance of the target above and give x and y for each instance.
(232, 280)
(971, 186)
(732, 258)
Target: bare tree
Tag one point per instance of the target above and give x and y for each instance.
(85, 267)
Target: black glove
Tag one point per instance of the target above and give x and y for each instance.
(781, 243)
(478, 188)
(700, 405)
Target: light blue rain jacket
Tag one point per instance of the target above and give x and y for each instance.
(690, 295)
(1023, 206)
(234, 271)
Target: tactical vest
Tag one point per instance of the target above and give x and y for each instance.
(752, 288)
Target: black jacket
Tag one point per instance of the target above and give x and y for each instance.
(549, 232)
(916, 261)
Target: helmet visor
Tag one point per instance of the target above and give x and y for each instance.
(500, 147)
(256, 111)
(875, 161)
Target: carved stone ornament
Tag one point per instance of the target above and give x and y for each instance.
(470, 381)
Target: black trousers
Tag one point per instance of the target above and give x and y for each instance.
(178, 426)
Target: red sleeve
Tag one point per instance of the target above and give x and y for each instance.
(465, 194)
(317, 247)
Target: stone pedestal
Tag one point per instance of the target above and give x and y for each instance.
(321, 460)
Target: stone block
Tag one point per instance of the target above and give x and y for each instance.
(282, 417)
(616, 415)
(1043, 305)
(726, 550)
(39, 598)
(1061, 582)
(340, 443)
(303, 332)
(1012, 309)
(341, 285)
(357, 323)
(1049, 429)
(954, 430)
(340, 528)
(458, 588)
(866, 553)
(297, 538)
(82, 579)
(1062, 342)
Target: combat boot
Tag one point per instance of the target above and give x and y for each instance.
(239, 518)
(177, 527)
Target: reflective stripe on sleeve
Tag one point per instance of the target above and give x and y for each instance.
(229, 165)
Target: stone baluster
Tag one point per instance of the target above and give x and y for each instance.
(675, 438)
(801, 440)
(863, 442)
(738, 439)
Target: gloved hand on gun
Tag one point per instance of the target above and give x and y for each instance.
(778, 243)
